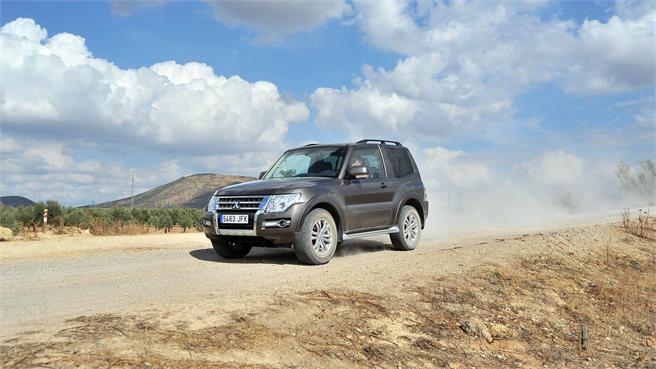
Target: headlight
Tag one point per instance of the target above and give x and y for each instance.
(279, 203)
(212, 204)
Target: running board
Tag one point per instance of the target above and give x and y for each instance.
(389, 230)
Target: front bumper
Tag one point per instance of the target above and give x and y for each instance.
(267, 226)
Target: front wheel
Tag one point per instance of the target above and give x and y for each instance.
(230, 250)
(317, 240)
(409, 224)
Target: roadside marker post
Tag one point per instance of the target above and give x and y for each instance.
(45, 219)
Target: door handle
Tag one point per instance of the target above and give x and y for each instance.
(383, 185)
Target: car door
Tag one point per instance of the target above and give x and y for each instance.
(368, 200)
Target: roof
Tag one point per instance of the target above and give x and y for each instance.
(367, 141)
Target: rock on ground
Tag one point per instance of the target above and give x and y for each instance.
(476, 328)
(6, 234)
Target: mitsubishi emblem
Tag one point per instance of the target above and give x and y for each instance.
(236, 205)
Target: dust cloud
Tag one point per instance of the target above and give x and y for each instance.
(532, 196)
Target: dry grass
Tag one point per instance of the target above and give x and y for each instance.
(535, 309)
(644, 225)
(100, 228)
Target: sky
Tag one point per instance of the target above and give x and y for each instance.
(534, 101)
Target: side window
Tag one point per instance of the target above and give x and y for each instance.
(369, 158)
(400, 160)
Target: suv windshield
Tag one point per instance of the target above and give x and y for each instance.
(309, 162)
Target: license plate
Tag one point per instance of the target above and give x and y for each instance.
(234, 218)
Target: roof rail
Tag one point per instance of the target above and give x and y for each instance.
(382, 142)
(311, 144)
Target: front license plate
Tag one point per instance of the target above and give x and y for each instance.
(234, 218)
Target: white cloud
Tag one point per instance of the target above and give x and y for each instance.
(387, 24)
(465, 62)
(276, 19)
(362, 109)
(56, 87)
(615, 56)
(8, 144)
(25, 28)
(273, 20)
(41, 170)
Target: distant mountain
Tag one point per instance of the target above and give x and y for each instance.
(193, 191)
(16, 201)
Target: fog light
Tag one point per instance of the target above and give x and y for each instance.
(284, 223)
(277, 223)
(207, 223)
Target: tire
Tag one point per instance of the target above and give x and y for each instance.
(229, 250)
(409, 223)
(309, 247)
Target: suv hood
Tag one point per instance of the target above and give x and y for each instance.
(273, 186)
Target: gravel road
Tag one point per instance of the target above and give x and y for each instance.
(45, 282)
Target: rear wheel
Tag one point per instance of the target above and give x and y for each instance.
(317, 240)
(409, 224)
(230, 250)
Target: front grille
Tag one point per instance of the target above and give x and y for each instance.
(240, 202)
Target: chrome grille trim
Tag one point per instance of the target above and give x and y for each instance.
(243, 202)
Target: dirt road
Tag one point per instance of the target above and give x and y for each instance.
(63, 277)
(174, 286)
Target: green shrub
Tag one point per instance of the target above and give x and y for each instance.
(153, 221)
(77, 218)
(98, 220)
(8, 218)
(185, 221)
(166, 222)
(55, 214)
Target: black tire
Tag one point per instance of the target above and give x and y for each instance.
(409, 223)
(322, 248)
(229, 250)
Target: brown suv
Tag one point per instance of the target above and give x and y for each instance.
(316, 196)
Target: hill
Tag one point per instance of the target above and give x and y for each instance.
(15, 201)
(193, 191)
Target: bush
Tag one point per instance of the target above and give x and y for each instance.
(8, 218)
(166, 222)
(140, 216)
(638, 183)
(121, 216)
(78, 218)
(99, 220)
(25, 216)
(55, 213)
(153, 221)
(185, 221)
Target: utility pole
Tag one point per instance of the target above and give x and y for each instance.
(132, 193)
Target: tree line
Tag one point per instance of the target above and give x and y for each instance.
(98, 220)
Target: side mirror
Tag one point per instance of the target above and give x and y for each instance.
(359, 172)
(262, 174)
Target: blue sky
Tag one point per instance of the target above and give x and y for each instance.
(480, 91)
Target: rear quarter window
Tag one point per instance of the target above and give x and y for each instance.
(401, 163)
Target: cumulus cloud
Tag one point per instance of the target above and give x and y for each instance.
(464, 62)
(615, 56)
(40, 170)
(272, 20)
(276, 19)
(55, 86)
